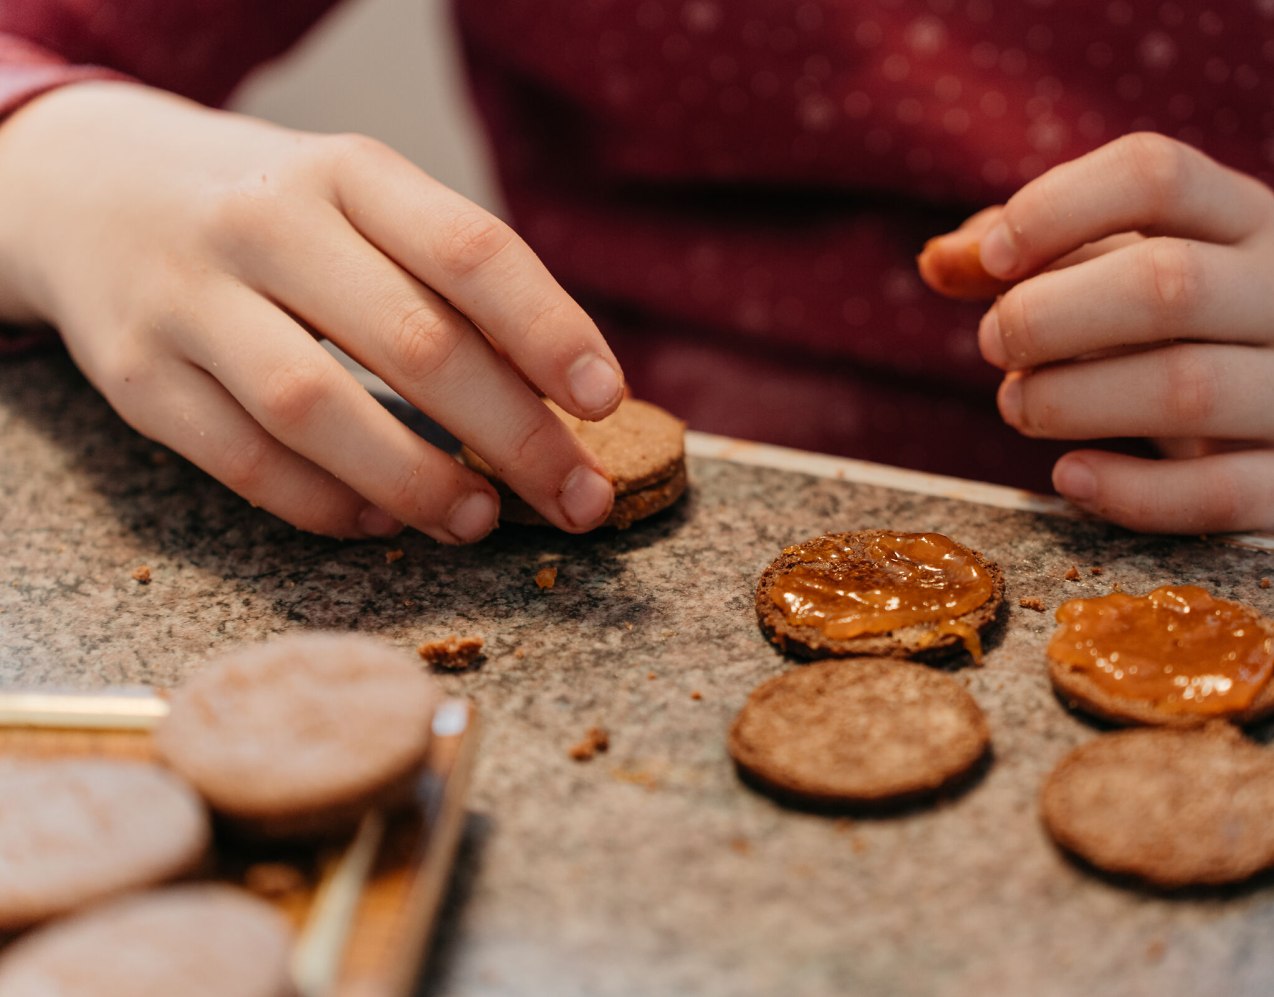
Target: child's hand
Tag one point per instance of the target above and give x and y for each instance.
(190, 258)
(1142, 305)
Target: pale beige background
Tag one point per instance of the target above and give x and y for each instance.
(386, 68)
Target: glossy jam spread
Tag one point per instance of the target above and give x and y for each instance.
(894, 580)
(1177, 647)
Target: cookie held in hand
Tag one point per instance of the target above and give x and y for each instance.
(877, 592)
(1170, 807)
(642, 448)
(858, 732)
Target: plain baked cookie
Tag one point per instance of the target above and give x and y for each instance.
(908, 641)
(302, 735)
(1168, 806)
(860, 731)
(642, 448)
(194, 941)
(77, 830)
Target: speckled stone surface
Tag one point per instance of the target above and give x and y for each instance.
(650, 869)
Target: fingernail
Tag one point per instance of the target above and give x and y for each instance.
(991, 342)
(585, 497)
(472, 517)
(1010, 400)
(1074, 479)
(999, 252)
(374, 521)
(595, 384)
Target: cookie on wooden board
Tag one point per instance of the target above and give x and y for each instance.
(77, 830)
(1171, 807)
(641, 446)
(862, 731)
(302, 735)
(867, 560)
(205, 940)
(1175, 657)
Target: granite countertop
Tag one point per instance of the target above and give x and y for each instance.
(650, 869)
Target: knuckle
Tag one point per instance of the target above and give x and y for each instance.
(544, 327)
(290, 393)
(1019, 331)
(1174, 276)
(470, 241)
(351, 147)
(243, 465)
(1191, 389)
(529, 441)
(424, 339)
(1159, 165)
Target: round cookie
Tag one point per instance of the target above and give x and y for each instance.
(863, 731)
(642, 448)
(302, 735)
(1168, 806)
(904, 642)
(1082, 692)
(204, 940)
(78, 830)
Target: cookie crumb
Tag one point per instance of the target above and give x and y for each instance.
(546, 578)
(1096, 569)
(651, 676)
(393, 555)
(637, 777)
(141, 574)
(519, 653)
(453, 653)
(409, 603)
(1072, 573)
(595, 740)
(740, 845)
(696, 695)
(1264, 583)
(273, 879)
(1031, 602)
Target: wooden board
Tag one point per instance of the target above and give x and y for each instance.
(394, 909)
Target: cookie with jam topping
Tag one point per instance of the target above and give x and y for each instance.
(1174, 657)
(1165, 806)
(641, 446)
(863, 732)
(878, 592)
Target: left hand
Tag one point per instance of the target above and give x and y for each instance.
(1140, 302)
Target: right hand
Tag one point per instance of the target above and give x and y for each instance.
(190, 258)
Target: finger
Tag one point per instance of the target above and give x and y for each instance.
(1189, 389)
(1214, 494)
(1150, 291)
(950, 264)
(1139, 183)
(302, 397)
(431, 355)
(479, 264)
(191, 413)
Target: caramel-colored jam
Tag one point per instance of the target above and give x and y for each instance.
(896, 580)
(1177, 647)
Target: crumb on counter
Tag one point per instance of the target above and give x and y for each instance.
(453, 653)
(393, 555)
(546, 578)
(594, 741)
(1264, 583)
(1031, 602)
(1096, 569)
(651, 676)
(637, 777)
(696, 695)
(1072, 573)
(141, 574)
(519, 653)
